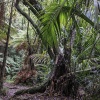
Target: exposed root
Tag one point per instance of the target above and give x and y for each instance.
(33, 90)
(65, 85)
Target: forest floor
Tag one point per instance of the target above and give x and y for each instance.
(10, 89)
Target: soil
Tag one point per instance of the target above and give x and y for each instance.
(10, 89)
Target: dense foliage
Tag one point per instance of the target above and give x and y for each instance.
(57, 27)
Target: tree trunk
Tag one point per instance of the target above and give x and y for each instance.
(2, 66)
(31, 64)
(1, 12)
(1, 24)
(62, 82)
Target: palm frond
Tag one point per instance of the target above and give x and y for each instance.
(40, 58)
(50, 27)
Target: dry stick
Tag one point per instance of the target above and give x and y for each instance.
(6, 48)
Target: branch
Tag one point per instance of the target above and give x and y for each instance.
(27, 17)
(33, 3)
(31, 7)
(33, 90)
